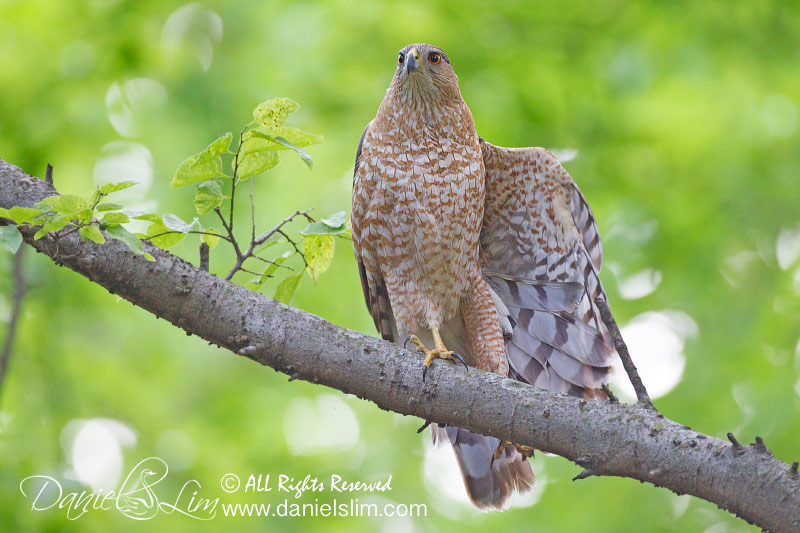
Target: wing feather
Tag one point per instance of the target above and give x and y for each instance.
(541, 254)
(375, 294)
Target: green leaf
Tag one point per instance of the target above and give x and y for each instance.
(336, 220)
(318, 250)
(24, 215)
(92, 233)
(10, 238)
(287, 288)
(109, 207)
(271, 134)
(266, 245)
(210, 240)
(116, 218)
(302, 153)
(203, 166)
(149, 217)
(320, 228)
(267, 139)
(256, 283)
(149, 257)
(84, 215)
(54, 225)
(257, 141)
(108, 188)
(174, 223)
(115, 231)
(273, 113)
(335, 224)
(207, 197)
(65, 203)
(256, 163)
(92, 198)
(165, 237)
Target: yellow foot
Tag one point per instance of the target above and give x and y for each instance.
(526, 451)
(440, 352)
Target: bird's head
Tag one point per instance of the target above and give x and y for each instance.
(424, 71)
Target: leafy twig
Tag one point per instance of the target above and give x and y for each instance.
(263, 238)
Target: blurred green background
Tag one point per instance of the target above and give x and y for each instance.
(679, 121)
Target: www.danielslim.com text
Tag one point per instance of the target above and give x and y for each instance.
(348, 508)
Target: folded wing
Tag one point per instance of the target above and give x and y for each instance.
(541, 254)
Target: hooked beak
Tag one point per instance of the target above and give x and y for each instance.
(412, 61)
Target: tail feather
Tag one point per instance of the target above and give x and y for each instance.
(489, 482)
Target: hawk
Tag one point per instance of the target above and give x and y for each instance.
(482, 253)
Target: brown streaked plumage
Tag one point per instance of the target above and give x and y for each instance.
(496, 248)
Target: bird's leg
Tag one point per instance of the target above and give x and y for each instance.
(526, 451)
(438, 352)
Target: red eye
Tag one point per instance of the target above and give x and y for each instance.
(434, 58)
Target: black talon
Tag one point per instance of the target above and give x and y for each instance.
(424, 371)
(405, 342)
(462, 360)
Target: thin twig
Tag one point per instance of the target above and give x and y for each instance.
(58, 235)
(264, 237)
(19, 294)
(204, 259)
(611, 396)
(193, 232)
(259, 274)
(269, 262)
(252, 213)
(234, 180)
(48, 174)
(242, 257)
(294, 245)
(622, 350)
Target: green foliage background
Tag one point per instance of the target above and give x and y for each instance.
(685, 118)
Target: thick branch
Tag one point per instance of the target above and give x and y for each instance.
(605, 438)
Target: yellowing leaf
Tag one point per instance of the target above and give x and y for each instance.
(108, 188)
(287, 288)
(210, 240)
(23, 215)
(207, 197)
(92, 233)
(116, 218)
(318, 251)
(273, 113)
(65, 203)
(162, 237)
(203, 166)
(54, 225)
(256, 163)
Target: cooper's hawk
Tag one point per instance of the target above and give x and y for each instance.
(492, 252)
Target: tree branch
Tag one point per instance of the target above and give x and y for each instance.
(16, 309)
(604, 438)
(622, 349)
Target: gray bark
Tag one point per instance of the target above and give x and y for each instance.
(605, 438)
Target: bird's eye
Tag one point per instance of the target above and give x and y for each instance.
(434, 58)
(401, 58)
